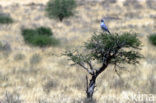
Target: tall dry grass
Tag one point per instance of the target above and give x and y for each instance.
(53, 80)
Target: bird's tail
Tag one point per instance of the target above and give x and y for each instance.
(108, 31)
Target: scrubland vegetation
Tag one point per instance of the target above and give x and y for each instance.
(60, 9)
(5, 19)
(41, 36)
(152, 39)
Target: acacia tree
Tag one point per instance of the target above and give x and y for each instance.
(105, 50)
(60, 8)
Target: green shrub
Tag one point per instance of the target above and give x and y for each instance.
(41, 36)
(44, 31)
(60, 8)
(5, 19)
(152, 39)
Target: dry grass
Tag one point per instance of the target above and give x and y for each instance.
(53, 80)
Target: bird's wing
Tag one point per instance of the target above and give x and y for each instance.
(104, 26)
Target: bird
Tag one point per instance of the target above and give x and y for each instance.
(104, 27)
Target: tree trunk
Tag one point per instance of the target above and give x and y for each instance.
(90, 87)
(61, 17)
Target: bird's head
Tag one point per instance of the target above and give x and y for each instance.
(102, 20)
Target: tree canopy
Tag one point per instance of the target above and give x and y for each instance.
(60, 8)
(108, 49)
(104, 49)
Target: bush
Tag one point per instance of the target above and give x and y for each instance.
(132, 3)
(50, 84)
(19, 57)
(151, 4)
(44, 31)
(152, 39)
(60, 8)
(41, 36)
(5, 19)
(35, 59)
(5, 48)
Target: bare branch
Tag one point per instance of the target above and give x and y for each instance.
(119, 66)
(88, 70)
(116, 71)
(104, 66)
(87, 82)
(90, 65)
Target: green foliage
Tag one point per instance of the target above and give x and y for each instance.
(5, 19)
(109, 49)
(60, 8)
(41, 36)
(77, 57)
(44, 31)
(115, 45)
(152, 39)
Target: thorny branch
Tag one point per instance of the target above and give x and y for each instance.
(88, 70)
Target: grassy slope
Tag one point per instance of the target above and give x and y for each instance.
(54, 72)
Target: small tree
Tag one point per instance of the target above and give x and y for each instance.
(107, 50)
(60, 8)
